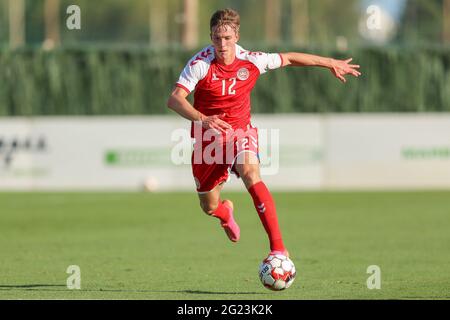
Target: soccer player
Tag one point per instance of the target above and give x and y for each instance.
(222, 76)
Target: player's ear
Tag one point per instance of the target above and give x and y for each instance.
(237, 36)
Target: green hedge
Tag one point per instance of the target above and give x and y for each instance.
(73, 81)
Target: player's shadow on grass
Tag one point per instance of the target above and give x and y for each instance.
(51, 287)
(28, 286)
(174, 291)
(216, 292)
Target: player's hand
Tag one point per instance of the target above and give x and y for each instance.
(340, 68)
(216, 123)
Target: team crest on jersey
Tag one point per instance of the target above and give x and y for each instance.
(243, 74)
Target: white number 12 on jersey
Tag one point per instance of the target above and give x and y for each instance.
(230, 88)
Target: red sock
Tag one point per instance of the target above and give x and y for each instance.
(265, 206)
(222, 212)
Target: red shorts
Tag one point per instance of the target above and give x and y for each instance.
(214, 158)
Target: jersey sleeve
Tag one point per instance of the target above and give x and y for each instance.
(268, 61)
(194, 71)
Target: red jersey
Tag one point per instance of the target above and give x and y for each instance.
(225, 89)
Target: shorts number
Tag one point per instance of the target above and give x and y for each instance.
(244, 144)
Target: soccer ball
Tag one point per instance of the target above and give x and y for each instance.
(277, 272)
(151, 184)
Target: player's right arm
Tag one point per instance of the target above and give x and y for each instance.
(178, 103)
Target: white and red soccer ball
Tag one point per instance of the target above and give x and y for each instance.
(277, 272)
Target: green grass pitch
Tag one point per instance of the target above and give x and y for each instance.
(161, 246)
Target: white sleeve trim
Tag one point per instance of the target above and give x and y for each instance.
(263, 61)
(196, 69)
(268, 61)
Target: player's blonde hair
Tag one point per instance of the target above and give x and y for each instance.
(225, 17)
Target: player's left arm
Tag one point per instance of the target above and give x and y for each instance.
(339, 68)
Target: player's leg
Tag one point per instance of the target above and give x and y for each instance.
(209, 179)
(247, 166)
(209, 201)
(211, 204)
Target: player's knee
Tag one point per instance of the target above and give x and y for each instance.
(208, 207)
(250, 177)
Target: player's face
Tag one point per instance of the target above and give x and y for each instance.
(224, 40)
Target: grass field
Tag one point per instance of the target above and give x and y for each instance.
(160, 246)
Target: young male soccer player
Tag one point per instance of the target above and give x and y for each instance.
(222, 76)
